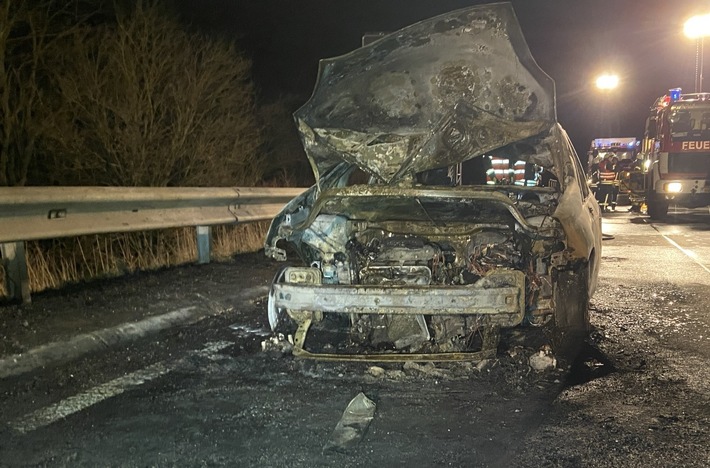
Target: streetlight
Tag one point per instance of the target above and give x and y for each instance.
(606, 121)
(697, 27)
(607, 81)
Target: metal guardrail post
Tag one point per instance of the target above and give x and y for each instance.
(17, 281)
(204, 241)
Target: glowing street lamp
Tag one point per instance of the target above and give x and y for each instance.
(607, 121)
(607, 81)
(697, 27)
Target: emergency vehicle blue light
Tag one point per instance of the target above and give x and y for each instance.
(675, 94)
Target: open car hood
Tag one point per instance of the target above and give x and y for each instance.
(430, 95)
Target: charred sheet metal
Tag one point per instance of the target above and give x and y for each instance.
(442, 206)
(500, 295)
(435, 93)
(436, 252)
(496, 300)
(490, 339)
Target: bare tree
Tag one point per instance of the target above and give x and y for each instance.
(24, 41)
(120, 97)
(286, 161)
(149, 104)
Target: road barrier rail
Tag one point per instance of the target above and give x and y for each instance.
(33, 213)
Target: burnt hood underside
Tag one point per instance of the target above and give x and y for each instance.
(430, 95)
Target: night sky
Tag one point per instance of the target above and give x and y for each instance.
(572, 40)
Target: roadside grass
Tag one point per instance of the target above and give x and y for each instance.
(52, 264)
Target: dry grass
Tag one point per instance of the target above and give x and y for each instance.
(54, 263)
(228, 241)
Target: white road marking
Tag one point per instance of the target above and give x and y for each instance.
(689, 253)
(50, 414)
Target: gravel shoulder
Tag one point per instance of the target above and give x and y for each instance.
(59, 315)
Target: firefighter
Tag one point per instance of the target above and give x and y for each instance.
(608, 187)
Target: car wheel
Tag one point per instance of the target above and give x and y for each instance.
(279, 320)
(571, 318)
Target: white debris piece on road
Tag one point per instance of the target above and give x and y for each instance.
(278, 343)
(353, 424)
(248, 330)
(376, 371)
(543, 360)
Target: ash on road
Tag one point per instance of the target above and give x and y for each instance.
(206, 395)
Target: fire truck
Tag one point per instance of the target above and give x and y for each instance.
(621, 147)
(611, 165)
(676, 148)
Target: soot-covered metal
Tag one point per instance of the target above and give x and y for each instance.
(432, 94)
(449, 202)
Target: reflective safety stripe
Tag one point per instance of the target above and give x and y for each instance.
(607, 176)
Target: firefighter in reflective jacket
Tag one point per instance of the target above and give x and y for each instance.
(608, 185)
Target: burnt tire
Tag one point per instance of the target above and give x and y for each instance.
(571, 317)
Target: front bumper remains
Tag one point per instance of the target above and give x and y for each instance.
(497, 299)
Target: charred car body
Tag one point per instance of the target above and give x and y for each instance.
(449, 202)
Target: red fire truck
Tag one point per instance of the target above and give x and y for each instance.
(677, 149)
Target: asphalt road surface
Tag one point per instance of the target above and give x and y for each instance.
(205, 394)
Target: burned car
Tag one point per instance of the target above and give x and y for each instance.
(449, 202)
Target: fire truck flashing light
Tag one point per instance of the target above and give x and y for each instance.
(675, 94)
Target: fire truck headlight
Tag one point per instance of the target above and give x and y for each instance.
(674, 187)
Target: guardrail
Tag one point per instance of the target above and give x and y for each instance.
(32, 213)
